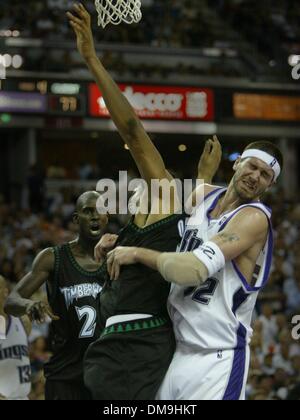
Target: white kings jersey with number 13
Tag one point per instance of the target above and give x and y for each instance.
(217, 315)
(15, 371)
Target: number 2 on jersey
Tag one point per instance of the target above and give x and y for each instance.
(89, 326)
(206, 289)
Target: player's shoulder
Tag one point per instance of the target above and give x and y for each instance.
(252, 217)
(45, 258)
(209, 188)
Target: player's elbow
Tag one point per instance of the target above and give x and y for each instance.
(131, 131)
(182, 269)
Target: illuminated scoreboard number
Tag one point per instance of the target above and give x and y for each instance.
(67, 105)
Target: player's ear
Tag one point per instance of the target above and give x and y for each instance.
(75, 218)
(236, 163)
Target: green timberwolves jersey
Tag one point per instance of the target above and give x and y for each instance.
(139, 289)
(72, 294)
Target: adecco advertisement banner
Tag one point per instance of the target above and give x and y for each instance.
(160, 102)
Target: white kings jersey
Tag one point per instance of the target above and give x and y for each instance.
(15, 372)
(217, 315)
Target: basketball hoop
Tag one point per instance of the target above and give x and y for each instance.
(118, 11)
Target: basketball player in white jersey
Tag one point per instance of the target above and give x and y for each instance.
(225, 261)
(15, 372)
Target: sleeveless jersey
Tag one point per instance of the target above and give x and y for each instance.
(73, 296)
(217, 315)
(15, 372)
(139, 289)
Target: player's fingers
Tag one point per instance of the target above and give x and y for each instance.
(79, 10)
(210, 145)
(217, 143)
(75, 20)
(83, 12)
(34, 314)
(112, 274)
(206, 147)
(109, 262)
(42, 315)
(51, 315)
(38, 317)
(30, 316)
(77, 29)
(117, 270)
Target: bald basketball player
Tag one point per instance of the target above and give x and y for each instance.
(73, 281)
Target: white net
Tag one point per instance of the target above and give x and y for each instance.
(118, 11)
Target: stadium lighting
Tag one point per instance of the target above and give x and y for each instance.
(5, 118)
(17, 61)
(7, 60)
(7, 33)
(234, 156)
(182, 148)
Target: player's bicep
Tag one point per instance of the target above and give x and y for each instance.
(242, 233)
(41, 269)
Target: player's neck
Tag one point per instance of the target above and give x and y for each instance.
(230, 201)
(86, 246)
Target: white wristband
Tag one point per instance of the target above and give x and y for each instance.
(211, 256)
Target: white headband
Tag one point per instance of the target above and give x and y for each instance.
(265, 157)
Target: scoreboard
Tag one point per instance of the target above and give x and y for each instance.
(67, 105)
(43, 97)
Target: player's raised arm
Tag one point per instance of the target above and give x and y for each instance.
(145, 154)
(19, 304)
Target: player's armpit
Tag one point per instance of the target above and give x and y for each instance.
(248, 228)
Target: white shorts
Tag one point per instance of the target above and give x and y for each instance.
(217, 375)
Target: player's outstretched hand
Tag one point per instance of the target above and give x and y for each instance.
(81, 23)
(118, 257)
(38, 311)
(105, 245)
(211, 158)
